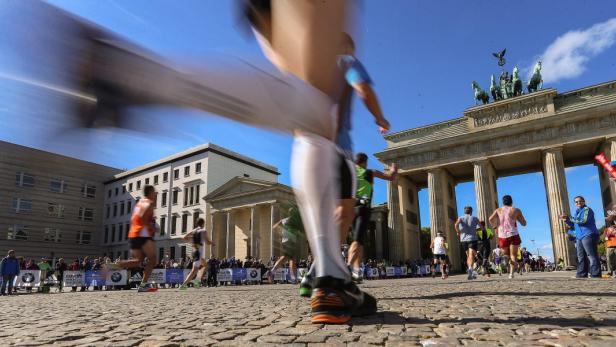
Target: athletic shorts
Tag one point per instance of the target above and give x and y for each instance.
(362, 222)
(138, 242)
(347, 177)
(440, 256)
(469, 245)
(512, 240)
(196, 263)
(289, 242)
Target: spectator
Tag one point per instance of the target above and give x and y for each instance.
(74, 267)
(61, 266)
(9, 268)
(582, 223)
(97, 266)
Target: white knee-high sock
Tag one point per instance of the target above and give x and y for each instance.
(314, 176)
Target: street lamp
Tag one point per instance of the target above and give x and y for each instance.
(534, 246)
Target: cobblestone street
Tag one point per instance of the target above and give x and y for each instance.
(547, 309)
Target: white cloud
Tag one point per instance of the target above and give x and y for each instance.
(567, 56)
(594, 177)
(571, 168)
(546, 246)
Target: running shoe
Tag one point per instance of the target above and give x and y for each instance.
(183, 287)
(469, 271)
(357, 276)
(334, 302)
(305, 286)
(147, 288)
(197, 284)
(510, 276)
(270, 276)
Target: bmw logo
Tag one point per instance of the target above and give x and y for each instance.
(253, 273)
(116, 277)
(27, 278)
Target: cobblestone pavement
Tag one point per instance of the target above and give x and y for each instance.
(548, 309)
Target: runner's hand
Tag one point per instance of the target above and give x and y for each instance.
(383, 125)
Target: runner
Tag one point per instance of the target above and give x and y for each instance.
(484, 237)
(292, 233)
(526, 260)
(497, 253)
(506, 219)
(365, 182)
(140, 238)
(466, 227)
(199, 239)
(439, 249)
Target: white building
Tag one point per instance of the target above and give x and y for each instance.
(182, 181)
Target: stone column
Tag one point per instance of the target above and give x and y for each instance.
(227, 239)
(394, 227)
(274, 215)
(608, 187)
(409, 218)
(253, 244)
(212, 215)
(485, 191)
(558, 203)
(443, 211)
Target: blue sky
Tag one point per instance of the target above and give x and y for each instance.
(422, 56)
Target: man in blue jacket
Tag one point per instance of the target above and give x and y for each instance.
(9, 268)
(582, 223)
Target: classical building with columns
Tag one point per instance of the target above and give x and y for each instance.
(539, 132)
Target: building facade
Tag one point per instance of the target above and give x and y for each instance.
(182, 181)
(50, 205)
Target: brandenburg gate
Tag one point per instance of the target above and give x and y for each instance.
(541, 131)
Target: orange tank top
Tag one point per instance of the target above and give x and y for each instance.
(137, 227)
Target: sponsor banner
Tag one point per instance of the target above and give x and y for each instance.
(390, 271)
(225, 275)
(409, 271)
(253, 274)
(157, 276)
(403, 270)
(397, 271)
(238, 274)
(95, 278)
(301, 272)
(280, 274)
(374, 272)
(424, 269)
(73, 278)
(437, 268)
(116, 278)
(174, 276)
(136, 277)
(28, 278)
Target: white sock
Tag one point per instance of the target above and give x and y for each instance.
(314, 176)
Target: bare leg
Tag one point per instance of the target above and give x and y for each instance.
(148, 250)
(345, 213)
(190, 276)
(513, 256)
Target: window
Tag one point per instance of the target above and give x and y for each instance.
(172, 252)
(22, 205)
(198, 168)
(176, 174)
(192, 194)
(163, 201)
(128, 206)
(175, 196)
(186, 171)
(108, 211)
(123, 189)
(113, 229)
(163, 220)
(195, 219)
(86, 213)
(197, 194)
(24, 180)
(52, 235)
(17, 232)
(138, 184)
(174, 224)
(84, 237)
(55, 210)
(122, 208)
(106, 234)
(161, 254)
(126, 229)
(117, 191)
(147, 181)
(185, 196)
(183, 252)
(184, 223)
(156, 180)
(109, 193)
(130, 187)
(120, 231)
(88, 191)
(115, 209)
(165, 177)
(57, 186)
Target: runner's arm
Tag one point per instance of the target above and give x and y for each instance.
(521, 218)
(391, 174)
(456, 225)
(494, 219)
(208, 240)
(368, 96)
(188, 236)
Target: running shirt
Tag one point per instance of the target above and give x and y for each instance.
(365, 179)
(468, 228)
(507, 226)
(137, 227)
(439, 245)
(354, 73)
(498, 253)
(198, 239)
